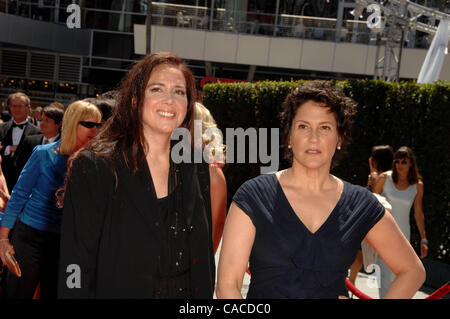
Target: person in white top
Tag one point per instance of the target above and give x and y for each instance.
(403, 187)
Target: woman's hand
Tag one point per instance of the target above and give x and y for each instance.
(423, 250)
(5, 246)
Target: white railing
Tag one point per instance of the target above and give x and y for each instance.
(204, 18)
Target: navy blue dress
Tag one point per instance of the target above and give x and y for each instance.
(287, 260)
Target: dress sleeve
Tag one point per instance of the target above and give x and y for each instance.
(23, 188)
(85, 203)
(374, 211)
(245, 199)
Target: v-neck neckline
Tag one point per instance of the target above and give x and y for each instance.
(395, 186)
(294, 214)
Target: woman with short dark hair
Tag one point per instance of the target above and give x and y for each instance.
(380, 161)
(301, 228)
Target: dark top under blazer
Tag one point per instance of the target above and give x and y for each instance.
(287, 260)
(111, 235)
(10, 167)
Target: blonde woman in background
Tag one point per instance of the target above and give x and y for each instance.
(212, 139)
(35, 242)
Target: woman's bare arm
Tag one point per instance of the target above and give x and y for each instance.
(393, 247)
(238, 237)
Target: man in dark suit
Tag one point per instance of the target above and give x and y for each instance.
(51, 121)
(13, 133)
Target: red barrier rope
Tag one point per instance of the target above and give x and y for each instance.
(355, 291)
(441, 292)
(438, 294)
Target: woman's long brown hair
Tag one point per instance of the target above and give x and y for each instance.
(413, 173)
(122, 136)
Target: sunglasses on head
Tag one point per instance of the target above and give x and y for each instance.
(403, 162)
(89, 124)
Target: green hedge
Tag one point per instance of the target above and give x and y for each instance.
(404, 113)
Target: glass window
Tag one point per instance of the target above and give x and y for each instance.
(120, 46)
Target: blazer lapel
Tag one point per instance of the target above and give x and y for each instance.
(189, 186)
(139, 190)
(26, 131)
(200, 240)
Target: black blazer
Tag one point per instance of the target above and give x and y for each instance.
(110, 233)
(9, 164)
(28, 144)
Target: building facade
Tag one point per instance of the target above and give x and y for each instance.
(44, 52)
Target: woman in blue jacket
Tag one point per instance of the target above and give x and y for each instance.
(32, 210)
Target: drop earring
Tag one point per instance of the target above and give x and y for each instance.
(289, 146)
(339, 148)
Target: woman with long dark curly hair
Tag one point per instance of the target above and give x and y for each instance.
(136, 224)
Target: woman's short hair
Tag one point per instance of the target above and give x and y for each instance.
(214, 138)
(413, 173)
(327, 95)
(53, 112)
(76, 112)
(57, 104)
(383, 156)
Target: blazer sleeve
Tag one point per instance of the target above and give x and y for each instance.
(85, 205)
(23, 188)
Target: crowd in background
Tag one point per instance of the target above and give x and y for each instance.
(93, 186)
(36, 145)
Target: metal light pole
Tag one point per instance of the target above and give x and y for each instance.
(400, 16)
(148, 24)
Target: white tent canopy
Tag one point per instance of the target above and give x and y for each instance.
(434, 60)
